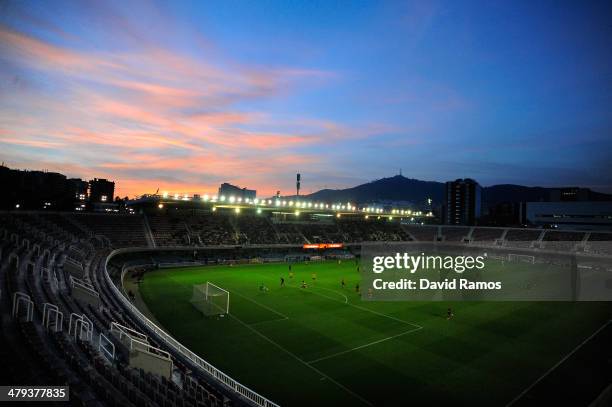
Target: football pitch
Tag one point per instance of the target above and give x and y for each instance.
(323, 345)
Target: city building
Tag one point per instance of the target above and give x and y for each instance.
(463, 202)
(585, 215)
(101, 190)
(229, 190)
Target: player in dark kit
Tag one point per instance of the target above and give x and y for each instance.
(282, 282)
(449, 313)
(343, 284)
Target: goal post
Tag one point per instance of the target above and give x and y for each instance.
(210, 299)
(525, 258)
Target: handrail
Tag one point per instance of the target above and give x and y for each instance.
(205, 367)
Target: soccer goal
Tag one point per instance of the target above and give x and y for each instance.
(210, 299)
(525, 258)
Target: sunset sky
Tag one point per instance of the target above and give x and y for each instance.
(182, 96)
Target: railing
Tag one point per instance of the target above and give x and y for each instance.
(206, 367)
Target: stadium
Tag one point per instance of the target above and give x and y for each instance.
(179, 302)
(305, 203)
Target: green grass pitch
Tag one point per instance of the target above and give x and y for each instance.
(324, 346)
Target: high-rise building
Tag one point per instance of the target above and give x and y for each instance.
(463, 202)
(101, 190)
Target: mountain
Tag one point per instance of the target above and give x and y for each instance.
(400, 188)
(397, 188)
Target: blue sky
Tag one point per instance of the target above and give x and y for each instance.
(186, 95)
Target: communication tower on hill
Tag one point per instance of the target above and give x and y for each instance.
(298, 178)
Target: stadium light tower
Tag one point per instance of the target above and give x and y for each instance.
(298, 179)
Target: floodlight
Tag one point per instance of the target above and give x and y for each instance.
(297, 213)
(160, 206)
(258, 210)
(205, 198)
(165, 195)
(232, 199)
(237, 210)
(222, 198)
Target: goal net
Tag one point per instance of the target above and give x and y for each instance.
(525, 258)
(210, 299)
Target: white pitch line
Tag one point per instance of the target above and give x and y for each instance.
(369, 310)
(268, 321)
(364, 346)
(549, 371)
(260, 304)
(296, 357)
(333, 291)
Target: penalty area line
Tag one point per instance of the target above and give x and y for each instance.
(296, 357)
(364, 309)
(260, 304)
(559, 363)
(268, 321)
(365, 345)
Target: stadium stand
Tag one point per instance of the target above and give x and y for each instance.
(71, 325)
(423, 233)
(521, 237)
(455, 234)
(486, 235)
(599, 243)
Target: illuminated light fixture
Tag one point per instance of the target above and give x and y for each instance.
(255, 201)
(290, 203)
(239, 199)
(237, 210)
(160, 206)
(337, 215)
(367, 216)
(390, 217)
(205, 198)
(284, 203)
(185, 197)
(232, 199)
(310, 204)
(176, 196)
(165, 194)
(258, 210)
(326, 206)
(214, 208)
(222, 198)
(277, 203)
(269, 202)
(297, 213)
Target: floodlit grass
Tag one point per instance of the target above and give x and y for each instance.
(323, 346)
